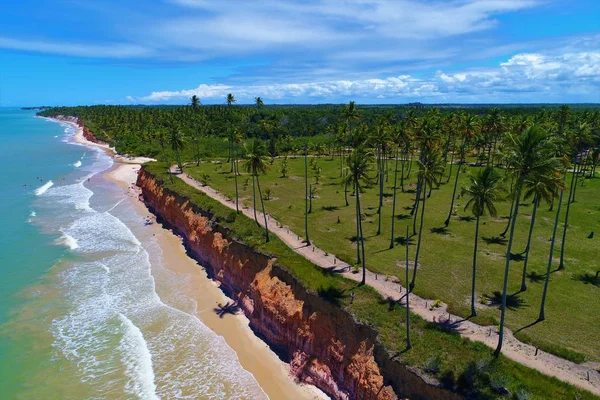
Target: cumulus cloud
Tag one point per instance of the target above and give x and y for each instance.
(548, 74)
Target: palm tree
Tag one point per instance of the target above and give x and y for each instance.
(351, 115)
(578, 138)
(177, 142)
(359, 165)
(392, 241)
(429, 172)
(257, 163)
(379, 138)
(259, 102)
(542, 315)
(408, 345)
(469, 127)
(541, 188)
(230, 100)
(306, 194)
(527, 154)
(195, 102)
(482, 192)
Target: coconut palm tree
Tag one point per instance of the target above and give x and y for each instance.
(482, 193)
(469, 126)
(230, 100)
(195, 102)
(177, 143)
(408, 345)
(527, 154)
(256, 164)
(379, 138)
(542, 314)
(359, 165)
(306, 194)
(540, 188)
(259, 102)
(430, 167)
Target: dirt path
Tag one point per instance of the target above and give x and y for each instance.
(567, 371)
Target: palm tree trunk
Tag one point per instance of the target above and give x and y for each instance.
(507, 268)
(235, 174)
(254, 200)
(415, 209)
(306, 195)
(346, 189)
(381, 172)
(561, 265)
(447, 221)
(528, 247)
(410, 159)
(404, 157)
(262, 203)
(414, 277)
(473, 311)
(510, 216)
(310, 197)
(357, 209)
(581, 166)
(408, 345)
(394, 200)
(542, 316)
(451, 161)
(362, 242)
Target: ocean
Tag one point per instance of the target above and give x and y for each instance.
(80, 317)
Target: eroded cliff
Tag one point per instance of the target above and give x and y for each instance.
(323, 344)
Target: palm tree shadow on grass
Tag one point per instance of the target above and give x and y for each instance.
(390, 302)
(588, 278)
(442, 230)
(403, 216)
(331, 295)
(517, 257)
(401, 240)
(468, 218)
(495, 240)
(229, 308)
(513, 301)
(331, 208)
(534, 277)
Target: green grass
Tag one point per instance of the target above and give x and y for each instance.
(456, 353)
(571, 329)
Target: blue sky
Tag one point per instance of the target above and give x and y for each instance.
(306, 51)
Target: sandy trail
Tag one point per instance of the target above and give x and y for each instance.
(546, 363)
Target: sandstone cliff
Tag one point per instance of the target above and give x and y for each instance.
(323, 344)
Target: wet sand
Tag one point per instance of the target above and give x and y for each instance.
(254, 355)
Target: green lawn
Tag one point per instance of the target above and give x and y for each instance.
(572, 325)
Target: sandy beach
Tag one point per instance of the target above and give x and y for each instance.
(254, 355)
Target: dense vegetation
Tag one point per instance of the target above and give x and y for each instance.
(429, 162)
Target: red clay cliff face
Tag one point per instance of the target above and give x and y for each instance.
(87, 133)
(323, 344)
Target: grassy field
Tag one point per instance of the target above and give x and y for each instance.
(463, 365)
(572, 325)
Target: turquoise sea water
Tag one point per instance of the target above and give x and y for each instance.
(79, 314)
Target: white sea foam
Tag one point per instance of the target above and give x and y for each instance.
(138, 361)
(42, 189)
(32, 214)
(68, 241)
(77, 164)
(122, 339)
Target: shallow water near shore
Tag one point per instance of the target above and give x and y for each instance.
(80, 316)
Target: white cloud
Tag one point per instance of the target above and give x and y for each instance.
(551, 75)
(115, 50)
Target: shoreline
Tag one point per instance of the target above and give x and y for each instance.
(254, 355)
